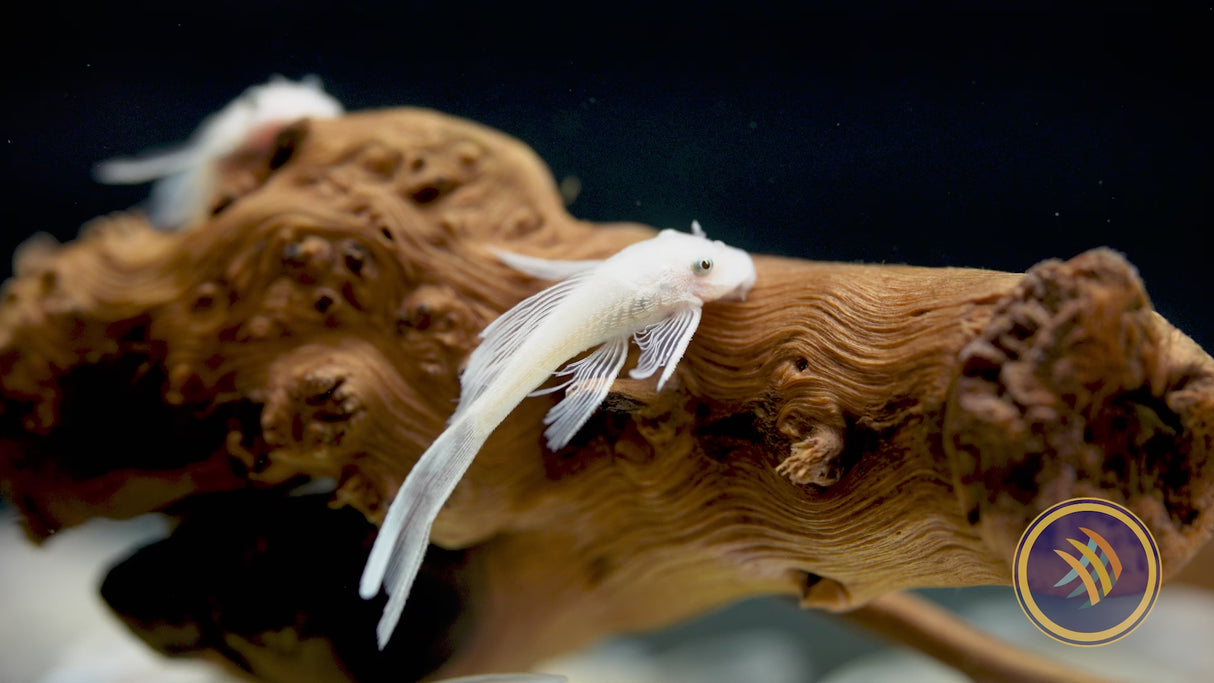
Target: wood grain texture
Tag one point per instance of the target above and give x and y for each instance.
(848, 431)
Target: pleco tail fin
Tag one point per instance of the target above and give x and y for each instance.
(401, 545)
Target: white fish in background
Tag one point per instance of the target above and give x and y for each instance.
(186, 175)
(650, 292)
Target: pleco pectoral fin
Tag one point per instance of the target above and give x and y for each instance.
(663, 344)
(544, 269)
(591, 379)
(505, 338)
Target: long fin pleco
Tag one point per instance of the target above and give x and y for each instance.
(651, 291)
(186, 175)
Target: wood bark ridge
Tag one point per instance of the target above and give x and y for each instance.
(848, 431)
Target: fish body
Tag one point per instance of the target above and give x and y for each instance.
(650, 292)
(185, 176)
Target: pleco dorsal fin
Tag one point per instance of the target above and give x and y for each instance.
(542, 268)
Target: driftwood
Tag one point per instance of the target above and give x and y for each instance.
(847, 432)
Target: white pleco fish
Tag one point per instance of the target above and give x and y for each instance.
(650, 292)
(186, 175)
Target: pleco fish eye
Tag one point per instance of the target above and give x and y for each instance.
(702, 266)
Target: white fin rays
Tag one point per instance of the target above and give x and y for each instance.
(663, 344)
(506, 335)
(592, 378)
(404, 536)
(544, 269)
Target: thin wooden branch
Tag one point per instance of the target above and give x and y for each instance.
(914, 622)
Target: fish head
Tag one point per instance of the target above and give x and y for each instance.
(712, 270)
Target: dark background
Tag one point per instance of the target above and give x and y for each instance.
(990, 134)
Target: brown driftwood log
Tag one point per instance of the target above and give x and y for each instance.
(848, 431)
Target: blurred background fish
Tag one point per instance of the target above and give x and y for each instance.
(185, 176)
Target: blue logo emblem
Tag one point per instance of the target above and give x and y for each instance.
(1086, 572)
